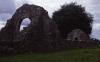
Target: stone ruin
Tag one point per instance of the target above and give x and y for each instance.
(77, 35)
(41, 35)
(41, 26)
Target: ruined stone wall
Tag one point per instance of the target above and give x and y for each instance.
(41, 26)
(77, 35)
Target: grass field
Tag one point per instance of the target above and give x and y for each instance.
(74, 55)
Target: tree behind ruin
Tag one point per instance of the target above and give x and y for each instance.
(72, 16)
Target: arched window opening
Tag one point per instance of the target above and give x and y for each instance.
(25, 23)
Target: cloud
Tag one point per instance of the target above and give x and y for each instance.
(2, 24)
(96, 31)
(7, 9)
(7, 6)
(96, 10)
(5, 16)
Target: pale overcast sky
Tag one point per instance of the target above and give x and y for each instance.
(8, 7)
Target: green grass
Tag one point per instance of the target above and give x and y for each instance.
(75, 55)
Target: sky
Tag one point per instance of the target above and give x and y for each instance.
(8, 8)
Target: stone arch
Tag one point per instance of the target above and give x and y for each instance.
(32, 12)
(40, 24)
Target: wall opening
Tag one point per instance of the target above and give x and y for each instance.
(25, 23)
(76, 39)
